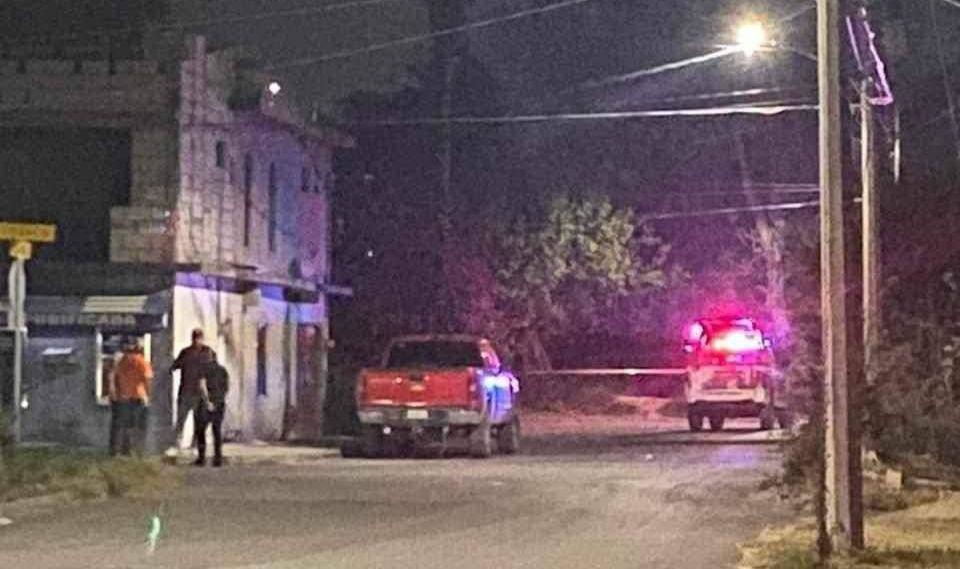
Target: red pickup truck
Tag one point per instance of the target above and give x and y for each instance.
(435, 392)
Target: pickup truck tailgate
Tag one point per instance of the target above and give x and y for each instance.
(433, 388)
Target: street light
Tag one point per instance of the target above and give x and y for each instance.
(751, 37)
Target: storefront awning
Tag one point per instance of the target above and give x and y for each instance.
(142, 313)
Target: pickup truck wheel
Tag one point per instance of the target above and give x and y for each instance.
(481, 441)
(432, 444)
(716, 422)
(351, 448)
(695, 419)
(784, 419)
(373, 442)
(508, 438)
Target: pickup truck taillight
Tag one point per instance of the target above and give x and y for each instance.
(361, 388)
(475, 389)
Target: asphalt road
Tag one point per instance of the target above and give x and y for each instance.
(569, 502)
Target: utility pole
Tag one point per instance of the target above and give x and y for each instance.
(21, 237)
(17, 323)
(871, 252)
(837, 449)
(449, 50)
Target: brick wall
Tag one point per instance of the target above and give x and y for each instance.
(212, 210)
(187, 206)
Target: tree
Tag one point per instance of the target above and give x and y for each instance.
(561, 274)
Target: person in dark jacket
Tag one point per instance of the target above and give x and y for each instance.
(210, 409)
(192, 361)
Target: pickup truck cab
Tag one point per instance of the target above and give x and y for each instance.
(436, 391)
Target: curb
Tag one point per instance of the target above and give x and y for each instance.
(253, 457)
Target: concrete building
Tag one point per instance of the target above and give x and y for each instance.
(188, 195)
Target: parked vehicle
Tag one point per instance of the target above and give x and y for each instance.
(434, 392)
(731, 373)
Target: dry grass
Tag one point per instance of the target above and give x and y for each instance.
(31, 472)
(925, 536)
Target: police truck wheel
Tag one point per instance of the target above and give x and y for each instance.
(481, 441)
(508, 438)
(767, 419)
(785, 419)
(716, 422)
(695, 419)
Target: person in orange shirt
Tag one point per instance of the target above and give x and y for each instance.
(130, 396)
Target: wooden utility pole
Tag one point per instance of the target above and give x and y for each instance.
(871, 252)
(837, 449)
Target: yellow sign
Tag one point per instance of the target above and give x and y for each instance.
(21, 250)
(35, 232)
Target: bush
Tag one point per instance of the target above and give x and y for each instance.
(802, 456)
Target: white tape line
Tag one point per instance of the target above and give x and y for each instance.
(666, 371)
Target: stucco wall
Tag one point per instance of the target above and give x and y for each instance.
(230, 322)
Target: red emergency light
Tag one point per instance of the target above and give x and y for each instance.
(737, 342)
(731, 337)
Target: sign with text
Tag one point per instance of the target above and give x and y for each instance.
(34, 232)
(127, 322)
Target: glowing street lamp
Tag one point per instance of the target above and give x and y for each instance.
(751, 37)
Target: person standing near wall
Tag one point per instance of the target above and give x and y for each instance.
(210, 410)
(130, 396)
(192, 363)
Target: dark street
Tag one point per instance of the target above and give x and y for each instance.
(606, 502)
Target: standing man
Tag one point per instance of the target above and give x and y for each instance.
(192, 363)
(130, 395)
(213, 400)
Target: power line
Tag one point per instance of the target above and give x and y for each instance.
(947, 89)
(954, 3)
(303, 11)
(703, 58)
(672, 66)
(765, 110)
(735, 210)
(732, 210)
(408, 40)
(796, 14)
(764, 190)
(727, 94)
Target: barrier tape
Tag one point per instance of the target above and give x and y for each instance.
(627, 371)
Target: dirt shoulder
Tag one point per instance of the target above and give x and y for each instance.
(926, 536)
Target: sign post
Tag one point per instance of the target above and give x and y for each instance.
(21, 237)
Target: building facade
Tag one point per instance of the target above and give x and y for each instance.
(188, 195)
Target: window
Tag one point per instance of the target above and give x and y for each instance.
(221, 152)
(262, 361)
(436, 354)
(305, 180)
(247, 197)
(272, 209)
